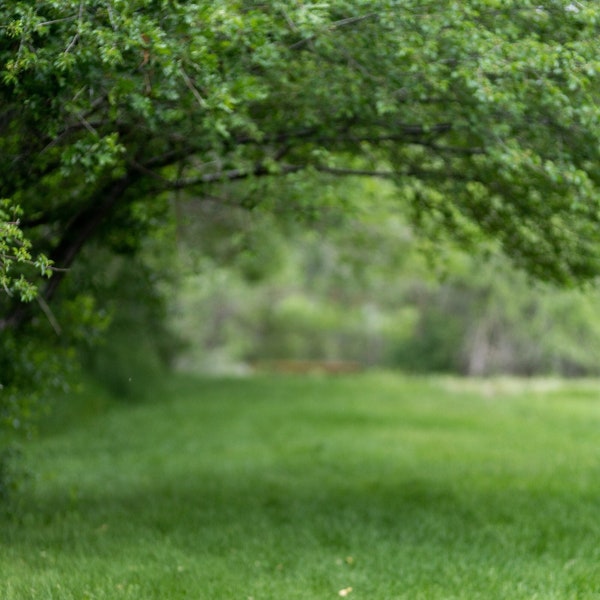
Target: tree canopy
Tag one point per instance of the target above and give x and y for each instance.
(485, 113)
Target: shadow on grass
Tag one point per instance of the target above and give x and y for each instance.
(261, 513)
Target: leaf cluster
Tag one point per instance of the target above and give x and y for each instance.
(16, 251)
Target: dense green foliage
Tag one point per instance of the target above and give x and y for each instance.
(486, 113)
(301, 488)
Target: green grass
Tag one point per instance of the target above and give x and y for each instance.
(297, 488)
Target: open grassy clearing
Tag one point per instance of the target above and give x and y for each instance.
(300, 488)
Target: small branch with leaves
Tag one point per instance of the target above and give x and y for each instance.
(16, 249)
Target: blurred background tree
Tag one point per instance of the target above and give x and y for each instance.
(356, 283)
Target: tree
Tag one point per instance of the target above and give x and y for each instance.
(358, 286)
(484, 114)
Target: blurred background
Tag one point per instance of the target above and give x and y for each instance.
(331, 272)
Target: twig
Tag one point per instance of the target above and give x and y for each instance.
(289, 21)
(5, 258)
(87, 124)
(49, 315)
(45, 23)
(190, 84)
(76, 36)
(354, 172)
(332, 27)
(72, 43)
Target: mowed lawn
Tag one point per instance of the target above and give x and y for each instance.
(368, 486)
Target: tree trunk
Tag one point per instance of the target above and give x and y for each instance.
(77, 233)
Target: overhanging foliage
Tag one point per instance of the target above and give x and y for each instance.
(486, 112)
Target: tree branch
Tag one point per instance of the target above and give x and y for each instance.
(78, 232)
(260, 170)
(83, 226)
(333, 26)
